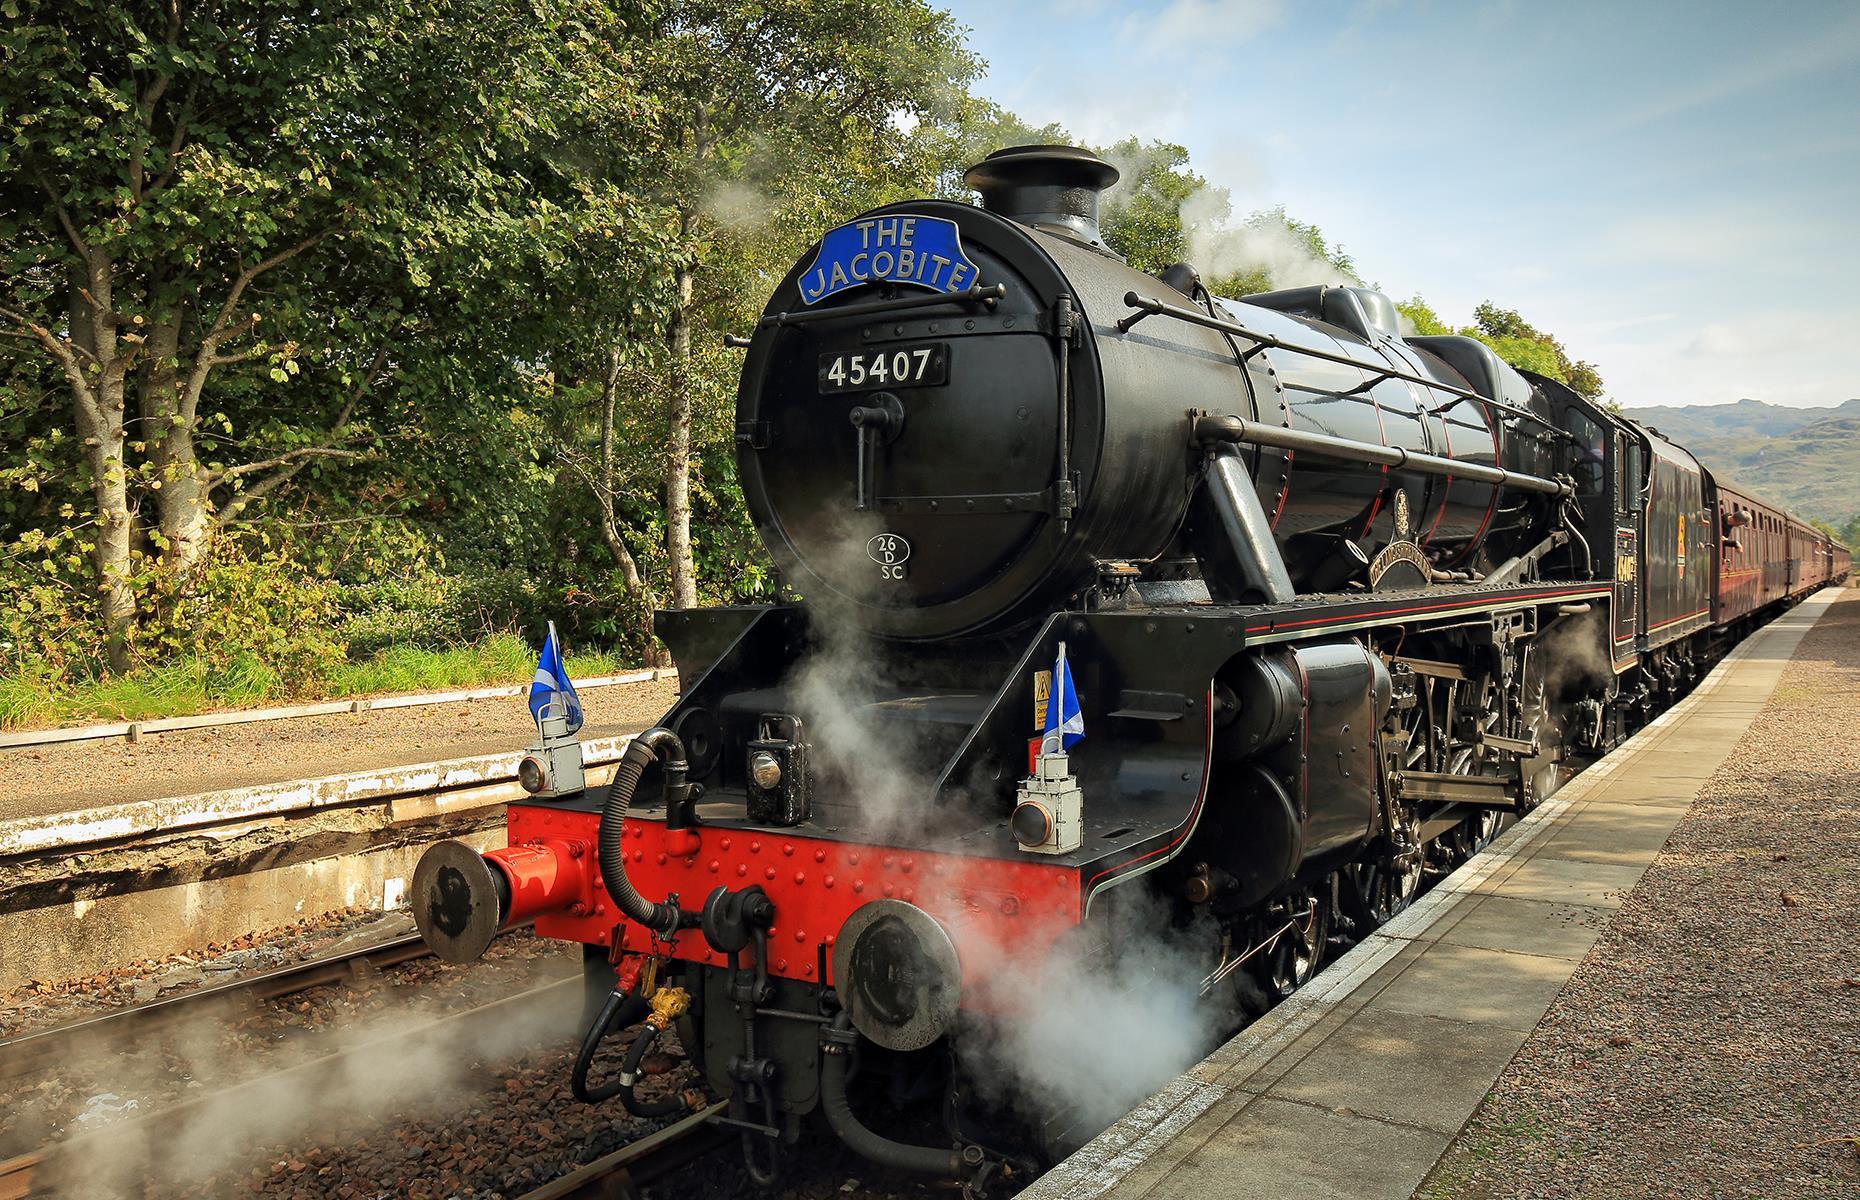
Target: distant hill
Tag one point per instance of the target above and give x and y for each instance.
(1806, 459)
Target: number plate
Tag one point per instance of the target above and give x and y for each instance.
(911, 365)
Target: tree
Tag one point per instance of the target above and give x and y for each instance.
(1514, 340)
(181, 180)
(971, 130)
(752, 92)
(1523, 345)
(1421, 319)
(1142, 215)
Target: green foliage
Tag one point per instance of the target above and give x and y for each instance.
(246, 617)
(1523, 345)
(412, 255)
(1513, 339)
(1141, 216)
(502, 658)
(1421, 320)
(47, 607)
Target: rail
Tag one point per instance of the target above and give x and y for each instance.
(632, 1166)
(1254, 433)
(24, 1175)
(638, 1163)
(22, 1053)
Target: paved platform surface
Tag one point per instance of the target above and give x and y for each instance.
(1358, 1084)
(75, 776)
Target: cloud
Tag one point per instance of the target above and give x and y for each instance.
(1703, 237)
(1193, 28)
(1780, 357)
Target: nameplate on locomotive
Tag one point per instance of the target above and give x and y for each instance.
(924, 252)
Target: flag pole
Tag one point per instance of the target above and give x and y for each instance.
(541, 738)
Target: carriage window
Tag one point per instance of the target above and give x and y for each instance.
(1632, 489)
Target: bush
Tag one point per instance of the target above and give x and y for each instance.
(423, 609)
(250, 620)
(252, 625)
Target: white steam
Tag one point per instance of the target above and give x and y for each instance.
(1103, 1020)
(735, 205)
(1220, 247)
(400, 1062)
(870, 760)
(1216, 242)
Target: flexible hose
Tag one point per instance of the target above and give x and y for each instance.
(663, 919)
(926, 1160)
(621, 1010)
(629, 1075)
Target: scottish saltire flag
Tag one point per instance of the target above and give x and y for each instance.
(1065, 724)
(551, 692)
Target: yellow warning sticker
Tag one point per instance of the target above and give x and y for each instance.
(1042, 688)
(1682, 545)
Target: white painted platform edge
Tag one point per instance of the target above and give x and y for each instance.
(1105, 1161)
(83, 733)
(85, 828)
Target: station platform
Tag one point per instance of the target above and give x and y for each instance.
(46, 781)
(1358, 1085)
(113, 850)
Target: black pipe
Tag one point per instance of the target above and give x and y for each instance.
(926, 1160)
(621, 1010)
(1232, 536)
(629, 1075)
(1236, 429)
(662, 743)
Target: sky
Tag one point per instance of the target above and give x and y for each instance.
(1672, 189)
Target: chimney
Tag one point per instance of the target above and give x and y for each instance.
(1051, 187)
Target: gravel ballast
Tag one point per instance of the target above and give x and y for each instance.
(1709, 1045)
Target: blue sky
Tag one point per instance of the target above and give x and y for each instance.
(1672, 189)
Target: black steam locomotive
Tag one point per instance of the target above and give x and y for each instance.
(1334, 602)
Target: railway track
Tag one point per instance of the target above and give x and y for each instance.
(27, 1052)
(620, 1175)
(615, 1176)
(34, 1173)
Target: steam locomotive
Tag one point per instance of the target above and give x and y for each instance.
(1335, 603)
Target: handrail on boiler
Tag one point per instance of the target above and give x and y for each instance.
(1147, 306)
(1237, 429)
(987, 296)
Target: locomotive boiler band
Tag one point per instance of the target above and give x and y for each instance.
(1335, 604)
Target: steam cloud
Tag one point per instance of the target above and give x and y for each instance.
(870, 758)
(1110, 1015)
(384, 1071)
(1220, 245)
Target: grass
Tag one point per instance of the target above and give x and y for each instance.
(186, 687)
(500, 658)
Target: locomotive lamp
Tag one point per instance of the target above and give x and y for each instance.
(552, 767)
(1049, 808)
(779, 790)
